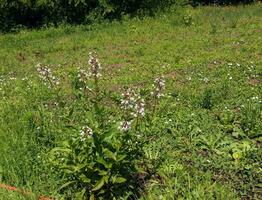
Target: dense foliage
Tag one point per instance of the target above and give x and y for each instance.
(36, 13)
(33, 13)
(219, 2)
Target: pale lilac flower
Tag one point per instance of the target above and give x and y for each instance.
(83, 77)
(128, 99)
(94, 71)
(94, 64)
(140, 108)
(46, 75)
(132, 103)
(159, 87)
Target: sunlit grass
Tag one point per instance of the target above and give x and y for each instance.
(205, 142)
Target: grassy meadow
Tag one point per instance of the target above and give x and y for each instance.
(204, 138)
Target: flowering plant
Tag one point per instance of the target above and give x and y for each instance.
(91, 75)
(46, 75)
(101, 160)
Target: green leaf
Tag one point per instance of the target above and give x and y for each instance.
(79, 167)
(109, 154)
(102, 172)
(84, 178)
(237, 132)
(59, 149)
(99, 185)
(118, 179)
(259, 185)
(92, 197)
(103, 162)
(237, 155)
(66, 144)
(120, 157)
(106, 178)
(80, 195)
(66, 184)
(101, 192)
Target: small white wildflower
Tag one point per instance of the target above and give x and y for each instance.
(206, 80)
(255, 98)
(168, 121)
(125, 126)
(189, 78)
(12, 78)
(85, 133)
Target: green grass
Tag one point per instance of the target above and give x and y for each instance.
(206, 138)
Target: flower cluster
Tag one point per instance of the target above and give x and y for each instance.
(128, 99)
(133, 103)
(46, 75)
(93, 72)
(85, 133)
(159, 87)
(133, 106)
(139, 108)
(83, 77)
(94, 64)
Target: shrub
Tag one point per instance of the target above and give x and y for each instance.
(35, 13)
